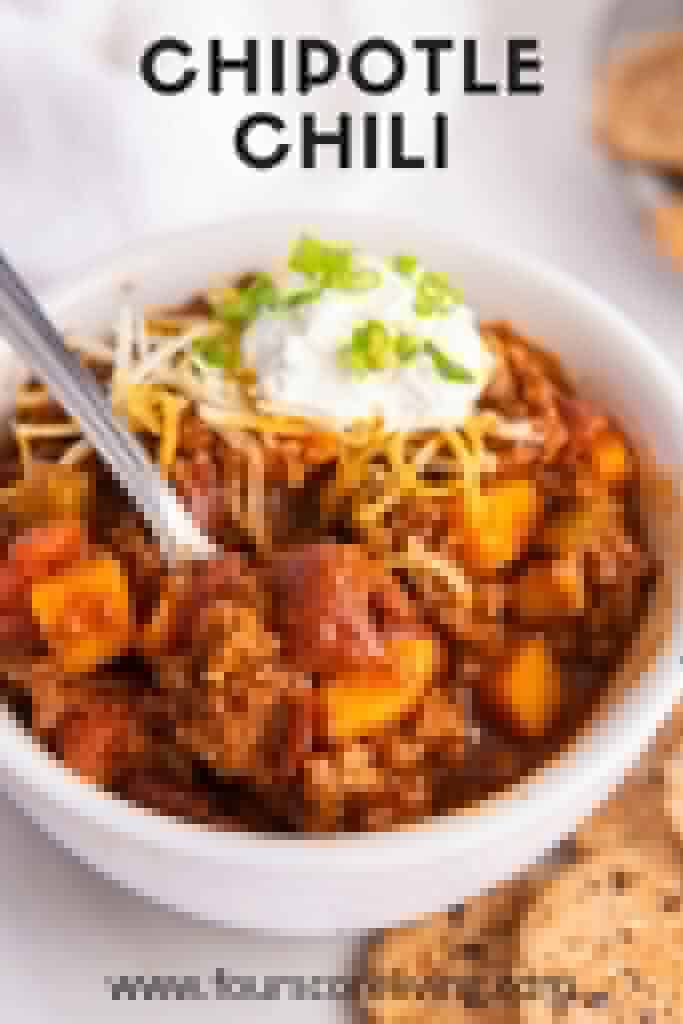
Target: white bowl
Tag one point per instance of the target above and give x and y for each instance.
(354, 883)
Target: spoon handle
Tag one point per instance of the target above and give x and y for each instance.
(38, 343)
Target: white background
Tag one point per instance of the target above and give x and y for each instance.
(88, 161)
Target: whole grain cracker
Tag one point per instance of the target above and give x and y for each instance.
(667, 225)
(611, 928)
(638, 110)
(630, 834)
(464, 960)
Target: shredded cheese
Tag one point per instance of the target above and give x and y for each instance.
(156, 376)
(76, 454)
(416, 557)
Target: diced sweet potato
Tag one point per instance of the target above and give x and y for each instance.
(551, 590)
(525, 693)
(354, 707)
(498, 523)
(84, 614)
(358, 703)
(414, 657)
(45, 550)
(49, 494)
(611, 461)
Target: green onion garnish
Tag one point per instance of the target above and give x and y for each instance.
(405, 264)
(372, 347)
(331, 266)
(381, 347)
(321, 260)
(361, 280)
(219, 351)
(299, 297)
(348, 358)
(447, 367)
(434, 294)
(407, 348)
(245, 305)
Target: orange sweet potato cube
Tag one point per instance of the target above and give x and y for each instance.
(84, 614)
(525, 693)
(498, 523)
(360, 703)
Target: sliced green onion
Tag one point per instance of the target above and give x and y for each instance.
(446, 367)
(372, 347)
(220, 297)
(331, 266)
(314, 258)
(367, 350)
(405, 264)
(379, 346)
(219, 351)
(434, 294)
(261, 294)
(304, 256)
(349, 358)
(361, 280)
(300, 297)
(408, 346)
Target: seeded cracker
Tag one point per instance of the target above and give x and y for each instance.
(473, 949)
(639, 103)
(668, 231)
(593, 937)
(612, 924)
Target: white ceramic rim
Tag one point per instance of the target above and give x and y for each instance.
(606, 751)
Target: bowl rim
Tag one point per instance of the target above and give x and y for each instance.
(513, 812)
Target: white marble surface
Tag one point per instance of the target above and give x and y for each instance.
(523, 171)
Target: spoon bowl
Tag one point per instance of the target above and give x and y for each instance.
(317, 885)
(39, 344)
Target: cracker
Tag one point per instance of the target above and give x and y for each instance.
(611, 928)
(639, 102)
(634, 817)
(667, 222)
(472, 950)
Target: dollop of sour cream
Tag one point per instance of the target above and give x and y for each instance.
(295, 356)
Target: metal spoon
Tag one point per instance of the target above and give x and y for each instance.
(627, 21)
(38, 343)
